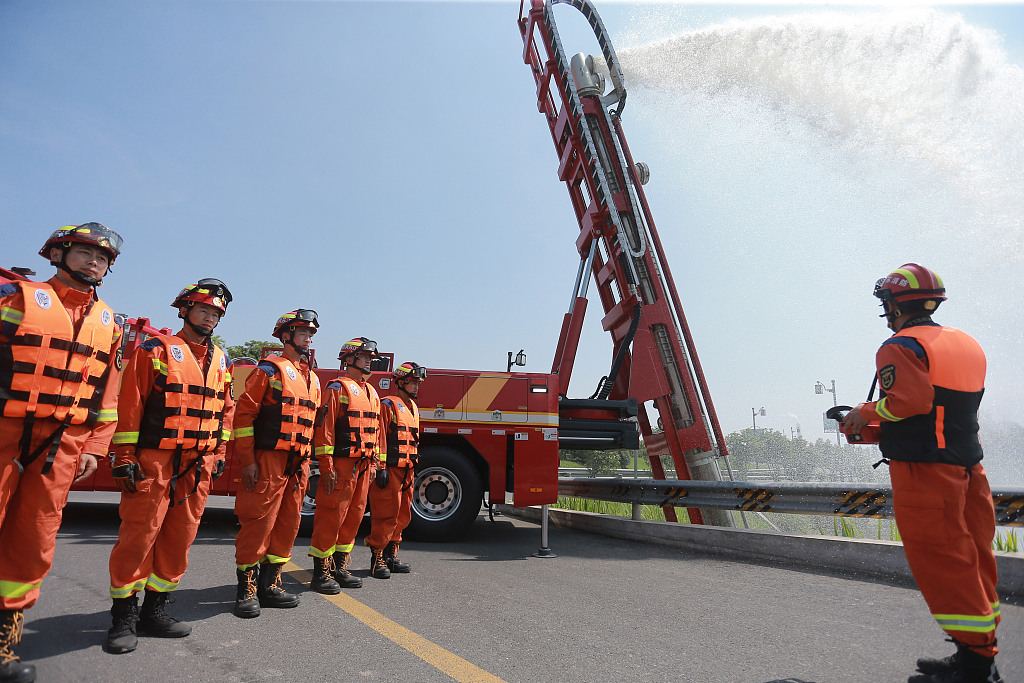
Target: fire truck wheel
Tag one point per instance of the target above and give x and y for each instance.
(447, 493)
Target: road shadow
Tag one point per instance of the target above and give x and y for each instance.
(58, 635)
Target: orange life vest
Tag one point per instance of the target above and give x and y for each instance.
(287, 424)
(49, 370)
(949, 433)
(355, 430)
(186, 405)
(403, 433)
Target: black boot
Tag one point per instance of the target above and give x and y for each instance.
(247, 604)
(391, 560)
(341, 573)
(967, 666)
(154, 621)
(122, 637)
(270, 592)
(12, 670)
(930, 665)
(378, 569)
(322, 581)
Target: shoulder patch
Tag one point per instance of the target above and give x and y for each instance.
(267, 367)
(334, 385)
(119, 358)
(887, 377)
(8, 288)
(908, 343)
(151, 343)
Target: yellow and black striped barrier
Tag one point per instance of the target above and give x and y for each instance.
(840, 500)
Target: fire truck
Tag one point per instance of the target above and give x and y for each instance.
(493, 437)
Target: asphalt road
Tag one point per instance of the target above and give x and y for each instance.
(484, 609)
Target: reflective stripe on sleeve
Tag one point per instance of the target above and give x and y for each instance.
(125, 438)
(242, 432)
(882, 408)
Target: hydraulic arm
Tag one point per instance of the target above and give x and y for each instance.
(654, 359)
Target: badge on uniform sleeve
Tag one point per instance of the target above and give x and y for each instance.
(290, 372)
(43, 299)
(177, 353)
(119, 358)
(887, 376)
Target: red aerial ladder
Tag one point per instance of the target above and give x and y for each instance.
(654, 359)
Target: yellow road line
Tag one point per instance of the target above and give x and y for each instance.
(435, 655)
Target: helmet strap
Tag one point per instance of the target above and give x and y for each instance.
(74, 274)
(401, 387)
(303, 353)
(195, 328)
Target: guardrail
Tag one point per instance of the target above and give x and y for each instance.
(760, 474)
(843, 500)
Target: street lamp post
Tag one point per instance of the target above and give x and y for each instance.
(820, 388)
(753, 416)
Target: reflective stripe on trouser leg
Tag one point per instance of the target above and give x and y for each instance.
(332, 509)
(31, 506)
(942, 549)
(154, 539)
(260, 509)
(354, 515)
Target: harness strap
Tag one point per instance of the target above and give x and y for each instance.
(52, 442)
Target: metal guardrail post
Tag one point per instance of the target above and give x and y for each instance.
(544, 551)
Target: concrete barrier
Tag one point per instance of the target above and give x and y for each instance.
(854, 556)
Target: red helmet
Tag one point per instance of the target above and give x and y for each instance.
(210, 291)
(95, 234)
(409, 370)
(302, 317)
(910, 282)
(357, 345)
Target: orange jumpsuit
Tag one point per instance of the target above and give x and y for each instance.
(932, 378)
(157, 526)
(31, 503)
(347, 441)
(391, 507)
(270, 514)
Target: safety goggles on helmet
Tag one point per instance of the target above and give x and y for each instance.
(96, 234)
(409, 371)
(358, 345)
(210, 291)
(303, 317)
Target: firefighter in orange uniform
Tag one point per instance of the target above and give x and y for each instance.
(58, 396)
(932, 379)
(174, 417)
(273, 434)
(391, 497)
(347, 445)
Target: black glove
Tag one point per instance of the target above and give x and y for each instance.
(218, 469)
(127, 475)
(382, 478)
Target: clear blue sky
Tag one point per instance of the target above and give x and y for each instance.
(384, 163)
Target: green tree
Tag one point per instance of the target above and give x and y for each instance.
(250, 349)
